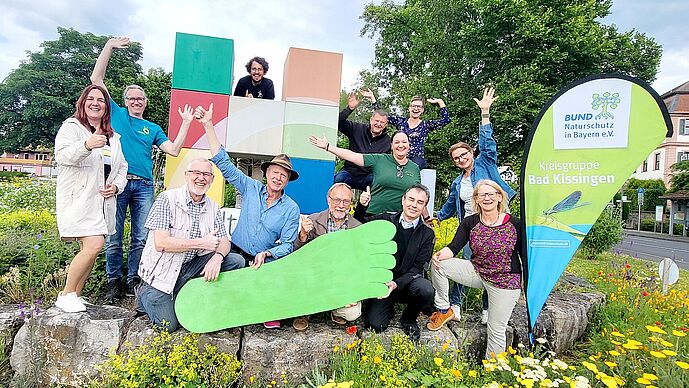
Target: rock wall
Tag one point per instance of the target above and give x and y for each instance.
(69, 346)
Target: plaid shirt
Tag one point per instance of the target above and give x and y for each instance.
(332, 227)
(160, 218)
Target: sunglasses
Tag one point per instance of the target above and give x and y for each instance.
(400, 171)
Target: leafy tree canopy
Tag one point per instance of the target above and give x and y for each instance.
(37, 96)
(680, 176)
(527, 49)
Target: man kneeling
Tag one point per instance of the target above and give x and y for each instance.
(187, 239)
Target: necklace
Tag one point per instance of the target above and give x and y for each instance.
(485, 220)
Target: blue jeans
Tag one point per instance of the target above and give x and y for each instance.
(458, 292)
(138, 196)
(356, 183)
(160, 307)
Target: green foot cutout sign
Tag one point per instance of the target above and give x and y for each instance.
(329, 272)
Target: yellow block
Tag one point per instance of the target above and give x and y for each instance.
(175, 166)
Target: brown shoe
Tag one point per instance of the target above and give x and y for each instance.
(301, 323)
(438, 319)
(339, 320)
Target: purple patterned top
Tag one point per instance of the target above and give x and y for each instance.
(495, 250)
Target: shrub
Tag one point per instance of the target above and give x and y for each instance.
(167, 360)
(604, 234)
(27, 194)
(649, 225)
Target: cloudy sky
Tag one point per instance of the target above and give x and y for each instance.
(269, 27)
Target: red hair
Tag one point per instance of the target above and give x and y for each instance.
(80, 113)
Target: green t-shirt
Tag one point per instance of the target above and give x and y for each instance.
(389, 185)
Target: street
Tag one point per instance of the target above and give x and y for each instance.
(654, 247)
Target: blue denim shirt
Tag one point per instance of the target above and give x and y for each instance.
(260, 228)
(485, 167)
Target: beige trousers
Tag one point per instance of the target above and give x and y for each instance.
(500, 301)
(348, 313)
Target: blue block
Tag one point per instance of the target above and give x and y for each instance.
(310, 190)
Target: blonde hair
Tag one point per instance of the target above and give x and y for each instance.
(488, 182)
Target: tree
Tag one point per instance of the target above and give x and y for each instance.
(37, 96)
(527, 49)
(653, 188)
(680, 176)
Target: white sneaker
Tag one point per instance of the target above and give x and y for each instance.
(484, 317)
(69, 303)
(458, 312)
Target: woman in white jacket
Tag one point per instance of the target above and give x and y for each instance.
(92, 170)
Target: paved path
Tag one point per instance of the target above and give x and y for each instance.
(655, 247)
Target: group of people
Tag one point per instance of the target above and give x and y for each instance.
(104, 154)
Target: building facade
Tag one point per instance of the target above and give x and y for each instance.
(36, 162)
(674, 149)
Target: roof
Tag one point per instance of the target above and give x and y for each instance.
(682, 194)
(677, 99)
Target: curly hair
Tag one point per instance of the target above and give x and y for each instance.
(261, 61)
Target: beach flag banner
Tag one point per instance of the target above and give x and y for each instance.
(584, 144)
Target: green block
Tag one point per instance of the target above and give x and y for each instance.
(329, 272)
(203, 64)
(303, 120)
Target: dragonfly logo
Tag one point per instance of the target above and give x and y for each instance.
(605, 102)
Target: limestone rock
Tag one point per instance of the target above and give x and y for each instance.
(267, 354)
(66, 346)
(10, 323)
(562, 321)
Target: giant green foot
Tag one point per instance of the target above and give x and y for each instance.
(329, 272)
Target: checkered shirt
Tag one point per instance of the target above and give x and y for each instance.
(332, 227)
(160, 218)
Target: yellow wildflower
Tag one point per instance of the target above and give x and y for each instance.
(614, 353)
(592, 367)
(644, 381)
(634, 342)
(615, 342)
(336, 349)
(617, 334)
(364, 358)
(657, 354)
(669, 352)
(678, 333)
(456, 373)
(650, 376)
(630, 346)
(682, 364)
(609, 382)
(528, 383)
(438, 361)
(666, 343)
(473, 373)
(377, 360)
(655, 329)
(610, 364)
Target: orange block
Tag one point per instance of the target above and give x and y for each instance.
(312, 76)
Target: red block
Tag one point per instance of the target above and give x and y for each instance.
(196, 138)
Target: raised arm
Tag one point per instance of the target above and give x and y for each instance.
(486, 143)
(341, 153)
(174, 147)
(205, 117)
(444, 115)
(485, 103)
(98, 74)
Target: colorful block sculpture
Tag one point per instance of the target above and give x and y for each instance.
(312, 76)
(304, 120)
(203, 63)
(254, 126)
(196, 137)
(310, 190)
(175, 168)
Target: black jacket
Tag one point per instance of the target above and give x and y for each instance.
(361, 141)
(412, 263)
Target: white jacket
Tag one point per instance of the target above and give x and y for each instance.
(81, 209)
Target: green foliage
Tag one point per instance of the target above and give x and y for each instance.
(230, 199)
(649, 225)
(27, 194)
(680, 176)
(8, 176)
(653, 188)
(604, 234)
(528, 50)
(170, 361)
(37, 96)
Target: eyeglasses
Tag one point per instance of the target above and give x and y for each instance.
(463, 155)
(416, 106)
(136, 99)
(487, 195)
(339, 201)
(199, 173)
(400, 171)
